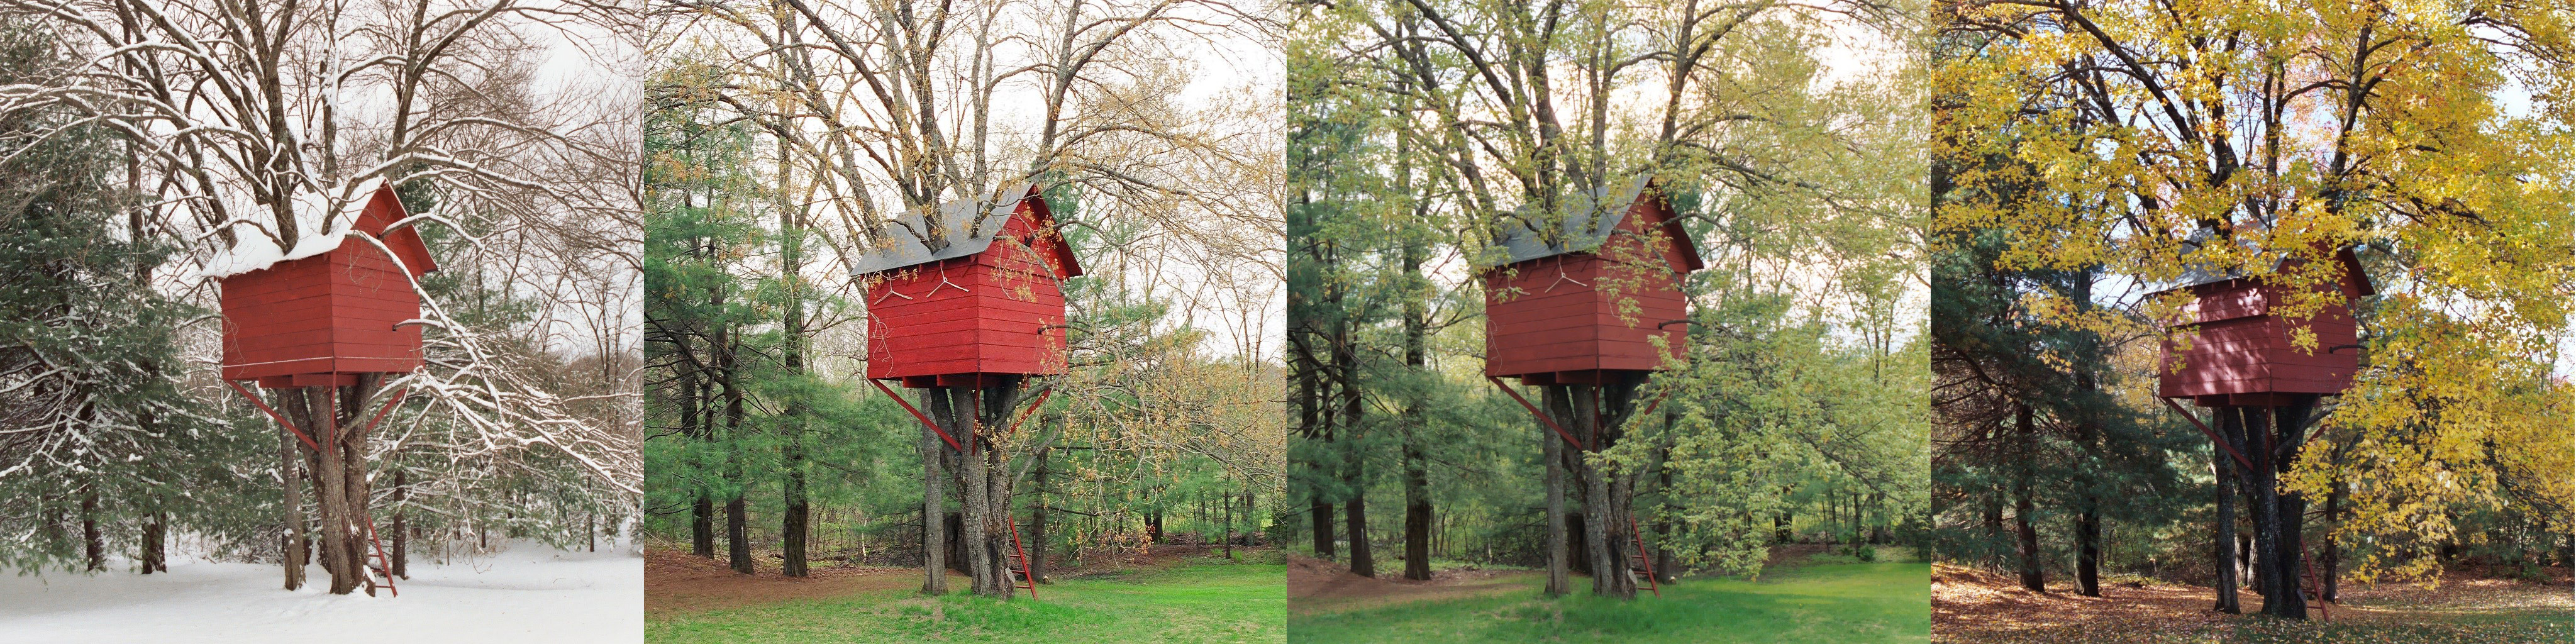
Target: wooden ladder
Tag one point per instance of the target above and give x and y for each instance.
(1643, 564)
(1021, 556)
(383, 567)
(2313, 591)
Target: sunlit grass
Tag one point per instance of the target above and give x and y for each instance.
(1218, 603)
(1838, 603)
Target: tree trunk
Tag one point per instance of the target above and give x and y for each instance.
(331, 477)
(934, 508)
(2031, 576)
(1552, 450)
(701, 428)
(292, 555)
(738, 536)
(402, 532)
(93, 545)
(2223, 538)
(2289, 553)
(965, 403)
(2332, 566)
(154, 557)
(1354, 468)
(1609, 575)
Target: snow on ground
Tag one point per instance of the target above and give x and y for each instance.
(528, 593)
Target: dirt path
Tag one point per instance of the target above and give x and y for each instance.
(677, 582)
(1975, 606)
(1316, 585)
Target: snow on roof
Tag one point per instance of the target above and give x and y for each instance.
(253, 248)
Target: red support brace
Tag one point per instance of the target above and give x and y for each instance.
(388, 408)
(273, 415)
(1024, 413)
(1642, 561)
(916, 413)
(2213, 435)
(1533, 410)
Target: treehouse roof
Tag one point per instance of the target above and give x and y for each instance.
(2355, 282)
(368, 206)
(907, 244)
(1588, 225)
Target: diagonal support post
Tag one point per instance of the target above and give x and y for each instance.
(1026, 412)
(2221, 441)
(273, 415)
(387, 409)
(916, 413)
(1534, 411)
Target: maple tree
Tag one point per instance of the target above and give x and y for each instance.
(2151, 139)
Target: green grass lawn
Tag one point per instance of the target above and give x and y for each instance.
(1836, 603)
(1213, 603)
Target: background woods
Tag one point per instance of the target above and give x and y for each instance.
(785, 139)
(1420, 131)
(155, 146)
(2094, 155)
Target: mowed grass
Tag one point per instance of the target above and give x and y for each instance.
(1201, 603)
(1824, 603)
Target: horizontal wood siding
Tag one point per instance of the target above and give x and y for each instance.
(989, 313)
(332, 313)
(2240, 348)
(1549, 314)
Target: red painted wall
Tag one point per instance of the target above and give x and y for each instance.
(997, 312)
(1548, 315)
(333, 313)
(2238, 347)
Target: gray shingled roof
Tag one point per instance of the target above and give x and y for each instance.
(903, 245)
(2199, 273)
(1585, 227)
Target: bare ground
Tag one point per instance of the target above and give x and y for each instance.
(1316, 585)
(1970, 605)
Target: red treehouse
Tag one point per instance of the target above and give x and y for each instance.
(2229, 352)
(1575, 307)
(967, 323)
(321, 326)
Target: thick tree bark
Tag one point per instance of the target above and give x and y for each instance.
(291, 515)
(934, 507)
(1552, 450)
(1417, 516)
(738, 536)
(793, 523)
(402, 531)
(2267, 517)
(2223, 539)
(1609, 572)
(156, 540)
(331, 478)
(2289, 552)
(2331, 557)
(2032, 577)
(737, 523)
(93, 544)
(701, 428)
